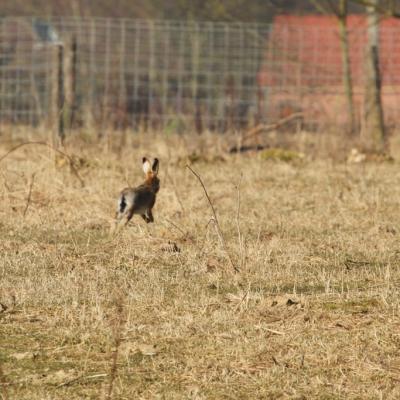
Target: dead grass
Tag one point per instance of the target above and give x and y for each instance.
(312, 314)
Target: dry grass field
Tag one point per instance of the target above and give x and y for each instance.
(156, 312)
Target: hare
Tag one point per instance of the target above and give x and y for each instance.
(141, 199)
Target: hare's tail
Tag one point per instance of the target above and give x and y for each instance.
(122, 204)
(120, 214)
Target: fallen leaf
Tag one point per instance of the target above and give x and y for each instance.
(291, 302)
(171, 247)
(285, 300)
(148, 349)
(24, 356)
(234, 298)
(340, 325)
(59, 377)
(213, 264)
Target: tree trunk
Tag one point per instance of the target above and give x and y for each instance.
(373, 118)
(347, 76)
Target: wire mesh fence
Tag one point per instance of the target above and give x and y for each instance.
(178, 75)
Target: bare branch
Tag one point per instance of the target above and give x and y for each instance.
(3, 383)
(240, 238)
(221, 236)
(68, 157)
(387, 12)
(327, 8)
(28, 200)
(267, 128)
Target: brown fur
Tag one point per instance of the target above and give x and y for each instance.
(141, 199)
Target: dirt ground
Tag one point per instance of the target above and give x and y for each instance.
(157, 311)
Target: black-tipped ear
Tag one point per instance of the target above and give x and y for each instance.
(155, 165)
(146, 165)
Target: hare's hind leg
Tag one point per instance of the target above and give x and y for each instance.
(119, 217)
(149, 216)
(122, 219)
(124, 213)
(129, 215)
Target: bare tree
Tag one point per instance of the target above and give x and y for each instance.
(341, 11)
(374, 131)
(385, 8)
(347, 75)
(373, 116)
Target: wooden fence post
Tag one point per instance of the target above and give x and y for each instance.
(70, 83)
(58, 92)
(374, 122)
(69, 112)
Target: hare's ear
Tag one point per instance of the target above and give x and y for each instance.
(155, 165)
(146, 165)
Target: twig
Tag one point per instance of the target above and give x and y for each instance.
(221, 236)
(274, 331)
(82, 377)
(5, 182)
(117, 332)
(186, 234)
(68, 157)
(203, 244)
(390, 12)
(238, 219)
(28, 200)
(178, 197)
(3, 384)
(242, 299)
(266, 128)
